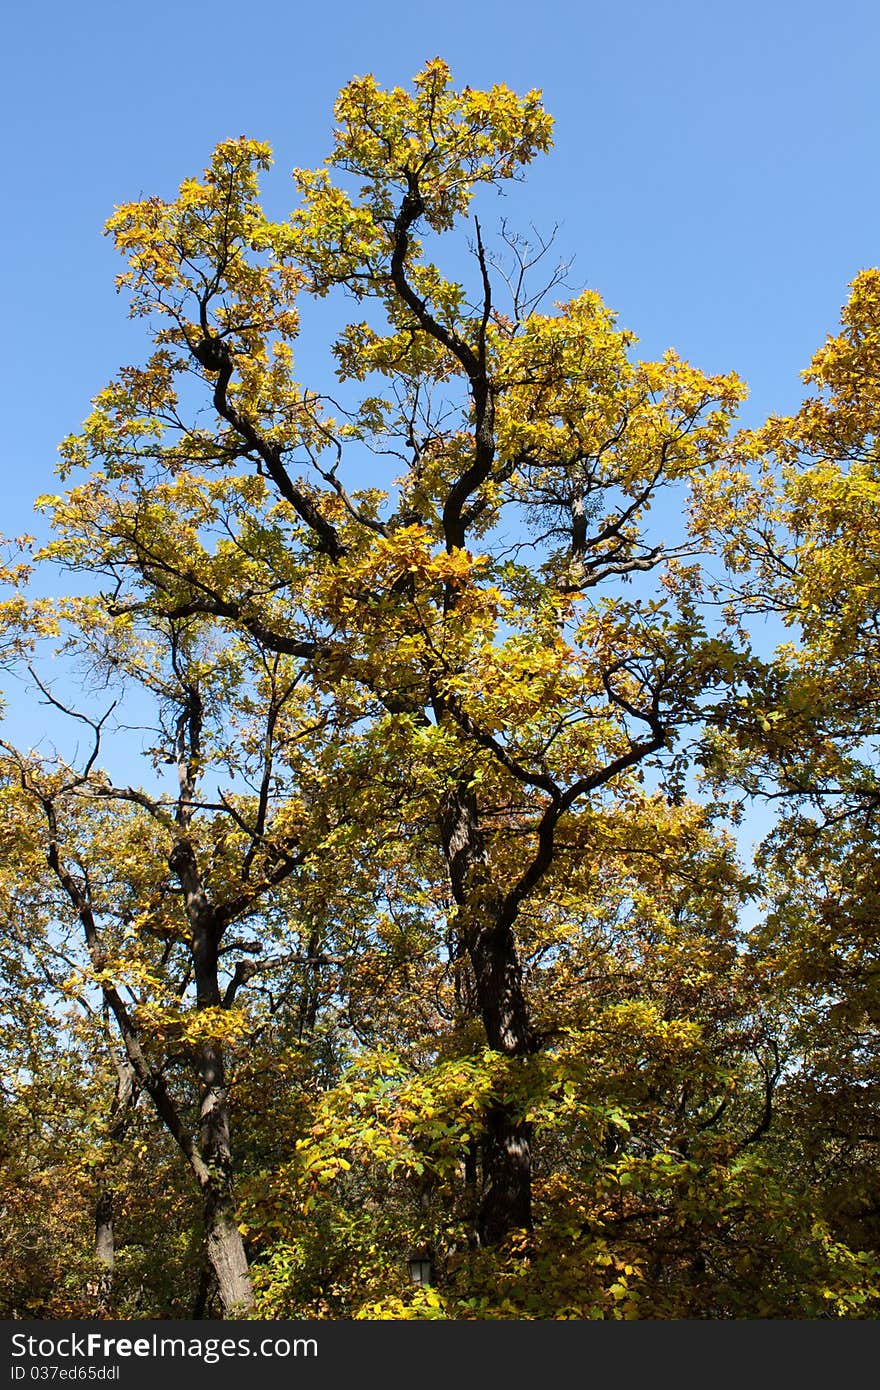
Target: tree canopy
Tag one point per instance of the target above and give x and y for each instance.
(381, 891)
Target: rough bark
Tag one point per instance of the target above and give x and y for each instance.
(224, 1245)
(105, 1248)
(226, 1253)
(506, 1202)
(121, 1110)
(506, 1199)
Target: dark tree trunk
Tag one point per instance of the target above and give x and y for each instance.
(506, 1203)
(204, 1293)
(224, 1245)
(121, 1111)
(506, 1199)
(499, 984)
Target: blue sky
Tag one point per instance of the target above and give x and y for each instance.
(714, 171)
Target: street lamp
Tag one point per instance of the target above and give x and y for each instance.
(420, 1266)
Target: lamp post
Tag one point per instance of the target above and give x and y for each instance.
(420, 1266)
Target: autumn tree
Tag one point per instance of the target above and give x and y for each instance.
(796, 505)
(472, 608)
(161, 906)
(427, 662)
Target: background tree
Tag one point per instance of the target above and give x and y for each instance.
(167, 906)
(802, 539)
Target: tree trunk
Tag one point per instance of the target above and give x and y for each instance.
(105, 1251)
(226, 1255)
(506, 1202)
(225, 1250)
(506, 1198)
(224, 1245)
(121, 1111)
(205, 1292)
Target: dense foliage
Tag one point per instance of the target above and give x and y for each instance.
(379, 893)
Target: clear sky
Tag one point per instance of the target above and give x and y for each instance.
(715, 170)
